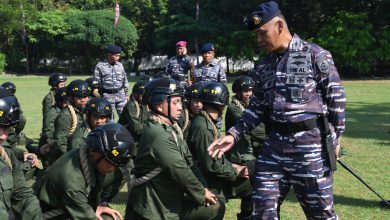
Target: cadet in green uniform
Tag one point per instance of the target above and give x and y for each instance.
(94, 83)
(225, 179)
(56, 81)
(134, 113)
(76, 179)
(14, 193)
(193, 104)
(47, 135)
(70, 118)
(98, 112)
(247, 149)
(165, 185)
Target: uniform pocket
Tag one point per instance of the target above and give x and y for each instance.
(6, 182)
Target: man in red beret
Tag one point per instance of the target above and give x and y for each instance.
(180, 65)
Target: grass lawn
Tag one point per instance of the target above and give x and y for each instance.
(366, 141)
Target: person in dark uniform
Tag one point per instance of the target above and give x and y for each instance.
(299, 95)
(76, 178)
(181, 65)
(166, 183)
(113, 79)
(14, 191)
(94, 83)
(227, 180)
(56, 81)
(247, 149)
(70, 118)
(209, 70)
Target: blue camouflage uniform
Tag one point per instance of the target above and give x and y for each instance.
(293, 90)
(178, 67)
(212, 72)
(114, 83)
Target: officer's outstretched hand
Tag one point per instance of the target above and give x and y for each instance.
(210, 198)
(220, 146)
(108, 211)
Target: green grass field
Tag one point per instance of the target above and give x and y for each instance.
(366, 141)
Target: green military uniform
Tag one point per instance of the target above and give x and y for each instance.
(114, 181)
(48, 128)
(219, 173)
(247, 148)
(164, 196)
(134, 117)
(66, 187)
(63, 126)
(48, 101)
(14, 191)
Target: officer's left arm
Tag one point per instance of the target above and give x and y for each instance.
(125, 82)
(332, 91)
(24, 203)
(222, 75)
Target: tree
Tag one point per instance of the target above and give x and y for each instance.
(349, 38)
(91, 31)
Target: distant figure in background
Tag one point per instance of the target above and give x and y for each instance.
(180, 65)
(209, 70)
(113, 79)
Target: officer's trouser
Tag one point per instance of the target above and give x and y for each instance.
(300, 160)
(117, 100)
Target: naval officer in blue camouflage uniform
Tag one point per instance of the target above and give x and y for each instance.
(113, 79)
(180, 65)
(209, 70)
(297, 85)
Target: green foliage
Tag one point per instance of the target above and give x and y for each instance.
(2, 62)
(349, 38)
(47, 26)
(383, 47)
(91, 31)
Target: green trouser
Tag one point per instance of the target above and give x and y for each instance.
(191, 211)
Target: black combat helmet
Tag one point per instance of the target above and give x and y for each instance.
(162, 74)
(243, 83)
(78, 88)
(9, 109)
(60, 95)
(194, 90)
(139, 87)
(56, 78)
(9, 86)
(160, 89)
(93, 82)
(99, 107)
(214, 93)
(114, 141)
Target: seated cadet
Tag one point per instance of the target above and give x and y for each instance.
(247, 149)
(76, 178)
(94, 83)
(134, 113)
(225, 179)
(193, 104)
(17, 141)
(14, 192)
(165, 183)
(70, 117)
(56, 81)
(209, 70)
(47, 135)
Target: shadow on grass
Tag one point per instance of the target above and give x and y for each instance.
(342, 200)
(368, 121)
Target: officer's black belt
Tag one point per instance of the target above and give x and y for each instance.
(111, 91)
(289, 128)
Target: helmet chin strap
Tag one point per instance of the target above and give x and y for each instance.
(169, 117)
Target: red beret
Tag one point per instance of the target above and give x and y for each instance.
(181, 43)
